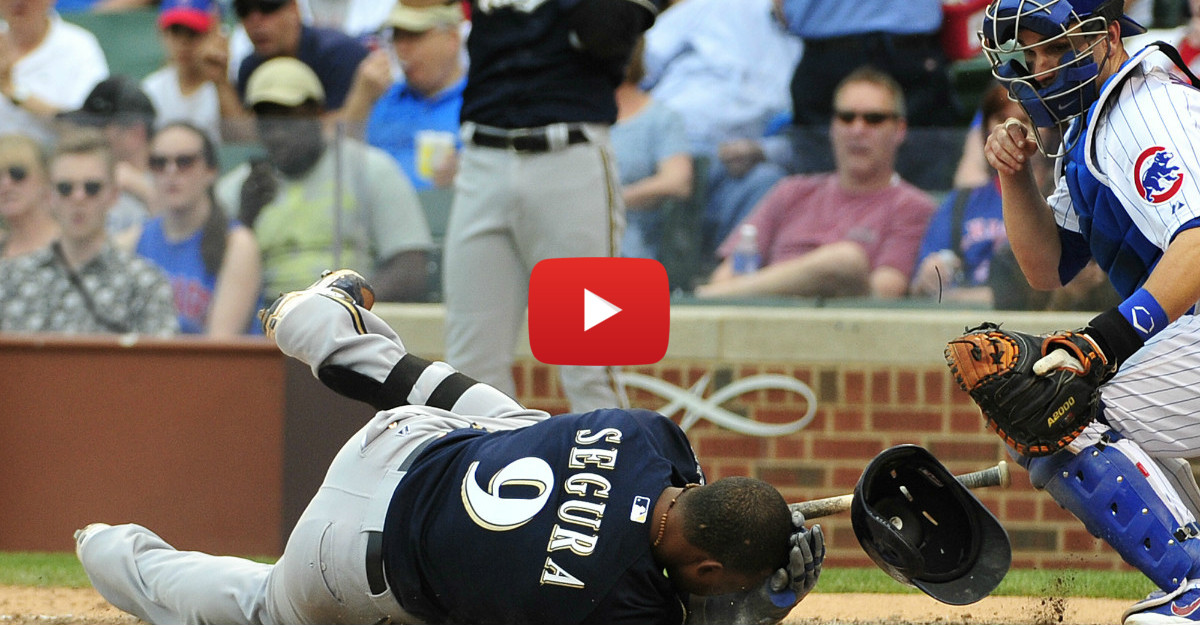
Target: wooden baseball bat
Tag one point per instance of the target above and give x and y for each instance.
(988, 477)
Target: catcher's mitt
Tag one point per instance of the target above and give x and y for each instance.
(1036, 411)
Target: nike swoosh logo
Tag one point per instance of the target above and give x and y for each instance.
(1184, 610)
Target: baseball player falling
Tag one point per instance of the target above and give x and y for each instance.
(455, 504)
(1128, 196)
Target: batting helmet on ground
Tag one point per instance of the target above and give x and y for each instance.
(925, 529)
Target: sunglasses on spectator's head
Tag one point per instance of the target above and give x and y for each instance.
(872, 118)
(244, 8)
(67, 188)
(158, 163)
(16, 172)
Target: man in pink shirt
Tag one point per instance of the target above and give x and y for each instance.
(852, 232)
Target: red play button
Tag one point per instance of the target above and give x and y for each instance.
(599, 311)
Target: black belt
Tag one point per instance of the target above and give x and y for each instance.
(873, 40)
(523, 140)
(375, 577)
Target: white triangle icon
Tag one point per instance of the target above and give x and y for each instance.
(596, 310)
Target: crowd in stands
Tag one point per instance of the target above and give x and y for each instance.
(280, 138)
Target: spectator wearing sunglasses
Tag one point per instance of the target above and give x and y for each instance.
(212, 260)
(276, 30)
(186, 88)
(81, 282)
(119, 108)
(315, 204)
(47, 66)
(851, 232)
(24, 195)
(900, 39)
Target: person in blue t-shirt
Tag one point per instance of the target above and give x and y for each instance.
(211, 260)
(427, 44)
(455, 504)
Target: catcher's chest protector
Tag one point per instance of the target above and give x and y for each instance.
(924, 528)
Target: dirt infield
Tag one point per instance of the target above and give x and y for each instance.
(69, 606)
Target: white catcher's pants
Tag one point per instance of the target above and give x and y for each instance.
(1154, 400)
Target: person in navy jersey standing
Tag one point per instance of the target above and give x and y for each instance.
(455, 504)
(537, 178)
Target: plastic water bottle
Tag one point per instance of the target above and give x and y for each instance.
(746, 258)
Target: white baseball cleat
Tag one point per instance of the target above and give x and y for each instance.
(82, 534)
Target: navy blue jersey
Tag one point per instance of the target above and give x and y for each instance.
(525, 73)
(333, 56)
(546, 524)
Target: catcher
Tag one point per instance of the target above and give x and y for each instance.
(1103, 417)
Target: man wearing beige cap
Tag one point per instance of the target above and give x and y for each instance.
(425, 103)
(311, 210)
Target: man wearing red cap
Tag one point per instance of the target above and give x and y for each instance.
(183, 90)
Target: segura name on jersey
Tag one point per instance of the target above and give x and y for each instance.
(579, 519)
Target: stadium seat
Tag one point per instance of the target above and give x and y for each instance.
(436, 202)
(129, 39)
(233, 154)
(682, 238)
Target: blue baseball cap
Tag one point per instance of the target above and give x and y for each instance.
(1116, 7)
(198, 15)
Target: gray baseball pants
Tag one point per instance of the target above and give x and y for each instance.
(321, 577)
(512, 210)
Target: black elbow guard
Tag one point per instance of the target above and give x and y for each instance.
(608, 29)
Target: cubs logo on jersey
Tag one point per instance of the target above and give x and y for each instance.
(1157, 177)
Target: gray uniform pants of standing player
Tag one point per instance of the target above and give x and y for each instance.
(321, 577)
(512, 210)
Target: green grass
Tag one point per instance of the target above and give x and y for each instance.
(62, 569)
(41, 569)
(49, 570)
(1041, 583)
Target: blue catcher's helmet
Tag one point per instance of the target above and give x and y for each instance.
(1059, 94)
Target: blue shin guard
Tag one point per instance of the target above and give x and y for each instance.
(1114, 498)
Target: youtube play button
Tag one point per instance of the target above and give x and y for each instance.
(599, 311)
(596, 309)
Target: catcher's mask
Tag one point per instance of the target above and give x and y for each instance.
(1059, 94)
(925, 529)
